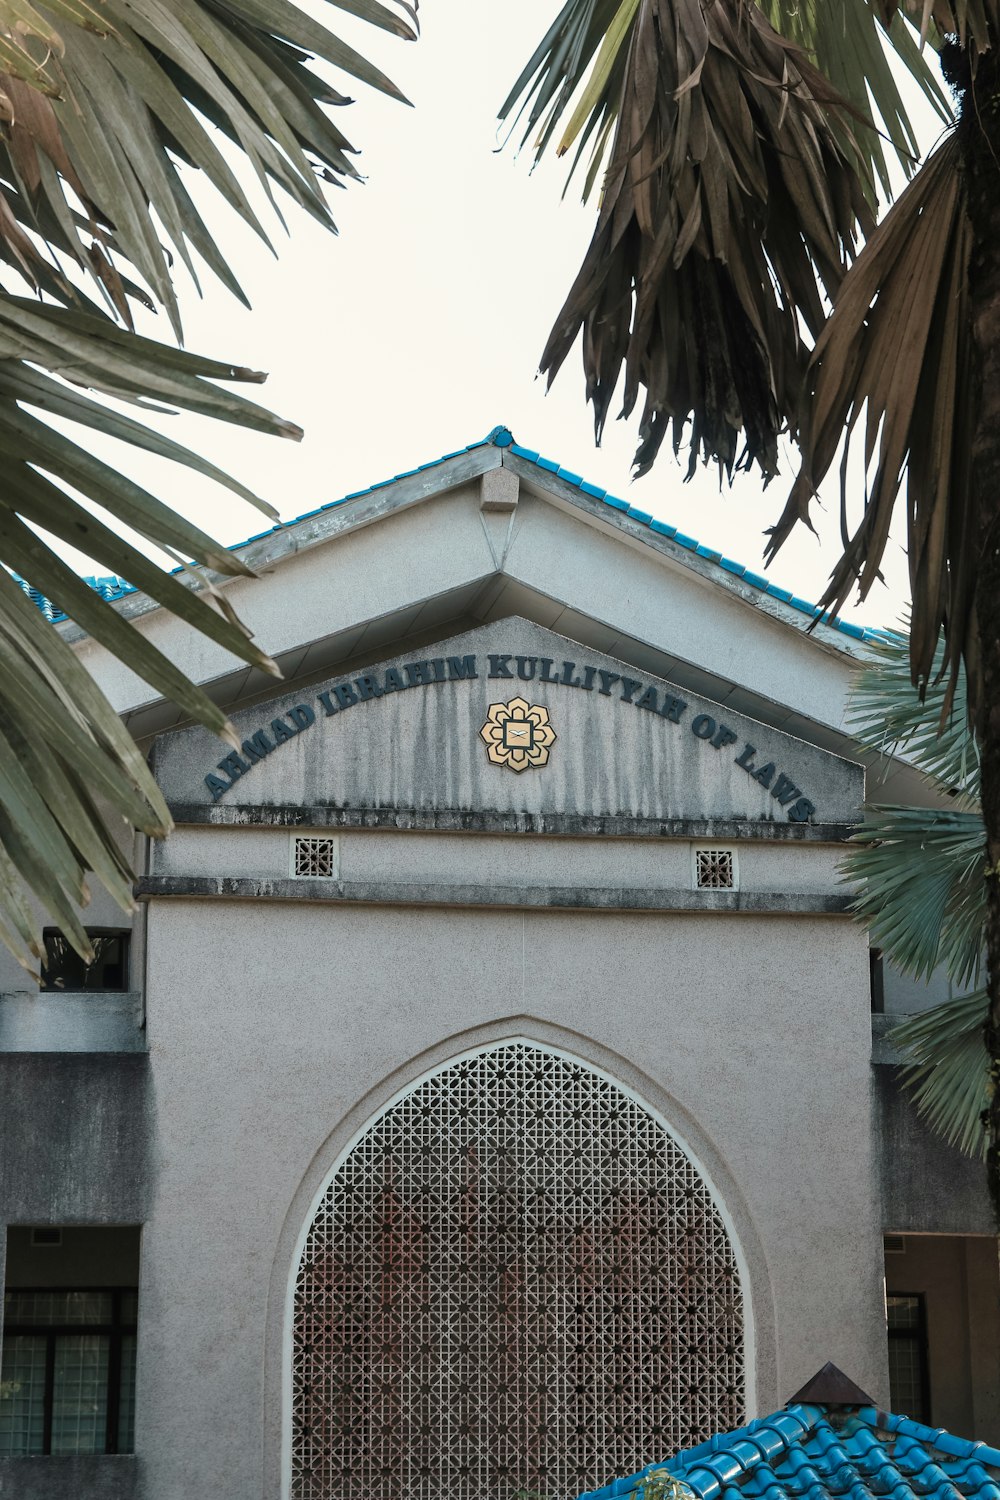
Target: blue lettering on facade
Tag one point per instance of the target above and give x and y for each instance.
(377, 683)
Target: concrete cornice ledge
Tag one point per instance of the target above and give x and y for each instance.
(502, 897)
(459, 820)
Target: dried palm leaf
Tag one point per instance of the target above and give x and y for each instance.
(580, 65)
(853, 49)
(897, 347)
(973, 23)
(727, 199)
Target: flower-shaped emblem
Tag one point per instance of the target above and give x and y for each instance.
(517, 736)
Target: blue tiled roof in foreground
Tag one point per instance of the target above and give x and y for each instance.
(821, 1453)
(501, 437)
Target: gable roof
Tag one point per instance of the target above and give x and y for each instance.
(113, 588)
(825, 1453)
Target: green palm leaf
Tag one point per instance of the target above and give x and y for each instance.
(920, 882)
(888, 718)
(948, 1069)
(919, 876)
(105, 104)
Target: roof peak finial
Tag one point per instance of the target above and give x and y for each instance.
(830, 1387)
(501, 437)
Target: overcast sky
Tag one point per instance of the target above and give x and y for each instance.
(419, 327)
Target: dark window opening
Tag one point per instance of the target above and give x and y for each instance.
(909, 1387)
(65, 970)
(876, 980)
(67, 1381)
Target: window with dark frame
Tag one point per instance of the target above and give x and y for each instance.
(909, 1385)
(67, 1379)
(876, 976)
(65, 970)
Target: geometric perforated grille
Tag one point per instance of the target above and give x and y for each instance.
(316, 856)
(516, 1279)
(715, 869)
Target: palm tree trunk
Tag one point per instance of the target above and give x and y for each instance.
(980, 133)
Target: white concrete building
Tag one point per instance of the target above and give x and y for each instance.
(488, 1092)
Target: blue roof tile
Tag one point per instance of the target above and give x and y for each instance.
(825, 1453)
(502, 437)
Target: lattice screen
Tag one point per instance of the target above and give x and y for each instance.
(715, 869)
(517, 1279)
(316, 857)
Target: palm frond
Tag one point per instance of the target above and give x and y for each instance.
(974, 23)
(136, 99)
(129, 95)
(62, 741)
(948, 1069)
(851, 46)
(579, 67)
(888, 717)
(60, 730)
(919, 878)
(728, 194)
(897, 348)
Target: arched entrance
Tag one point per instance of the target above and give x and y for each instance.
(516, 1279)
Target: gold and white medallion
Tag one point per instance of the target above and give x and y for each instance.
(517, 735)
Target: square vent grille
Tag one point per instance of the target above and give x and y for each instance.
(895, 1244)
(715, 869)
(46, 1235)
(315, 857)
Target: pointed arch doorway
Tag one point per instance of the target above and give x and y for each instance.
(516, 1279)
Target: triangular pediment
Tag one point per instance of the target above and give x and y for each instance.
(509, 721)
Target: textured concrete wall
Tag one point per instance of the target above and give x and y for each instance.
(277, 1031)
(408, 858)
(48, 1021)
(114, 1477)
(74, 1130)
(927, 1187)
(421, 747)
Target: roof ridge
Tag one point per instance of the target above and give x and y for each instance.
(113, 588)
